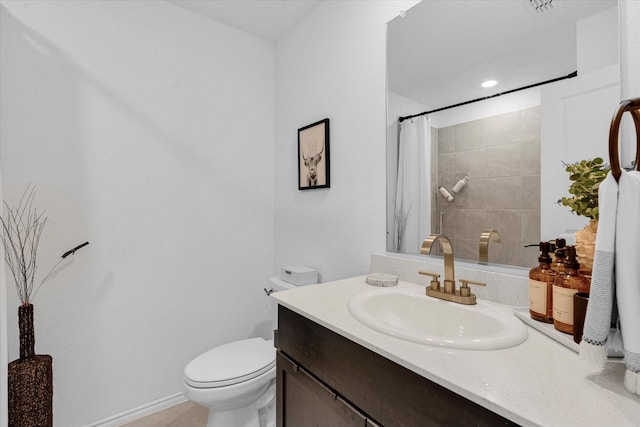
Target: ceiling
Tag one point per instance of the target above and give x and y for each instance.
(440, 51)
(267, 19)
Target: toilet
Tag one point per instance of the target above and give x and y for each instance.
(236, 381)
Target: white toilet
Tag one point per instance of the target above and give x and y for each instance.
(236, 381)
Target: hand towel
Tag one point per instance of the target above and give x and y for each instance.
(600, 313)
(616, 276)
(628, 274)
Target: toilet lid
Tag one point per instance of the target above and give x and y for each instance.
(231, 363)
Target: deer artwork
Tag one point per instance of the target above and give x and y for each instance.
(311, 163)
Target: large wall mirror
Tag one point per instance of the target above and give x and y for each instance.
(495, 163)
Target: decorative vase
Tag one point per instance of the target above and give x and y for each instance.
(30, 379)
(27, 336)
(586, 245)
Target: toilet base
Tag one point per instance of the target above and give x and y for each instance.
(258, 414)
(260, 410)
(267, 407)
(241, 417)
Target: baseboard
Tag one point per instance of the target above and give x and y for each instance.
(141, 411)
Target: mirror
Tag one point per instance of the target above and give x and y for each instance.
(495, 163)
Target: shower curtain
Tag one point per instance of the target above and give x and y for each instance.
(412, 217)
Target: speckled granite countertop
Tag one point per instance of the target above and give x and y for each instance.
(537, 383)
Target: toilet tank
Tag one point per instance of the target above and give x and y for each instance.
(277, 285)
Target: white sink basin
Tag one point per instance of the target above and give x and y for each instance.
(410, 315)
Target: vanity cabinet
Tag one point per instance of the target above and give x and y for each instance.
(309, 402)
(326, 380)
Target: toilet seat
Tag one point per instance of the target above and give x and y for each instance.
(231, 363)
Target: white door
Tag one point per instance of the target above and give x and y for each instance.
(576, 116)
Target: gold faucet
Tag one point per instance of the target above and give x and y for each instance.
(485, 237)
(447, 248)
(449, 293)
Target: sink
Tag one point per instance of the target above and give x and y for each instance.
(410, 315)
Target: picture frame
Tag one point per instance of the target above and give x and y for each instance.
(313, 156)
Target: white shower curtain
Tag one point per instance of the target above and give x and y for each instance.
(412, 218)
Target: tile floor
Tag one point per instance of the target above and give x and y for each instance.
(187, 414)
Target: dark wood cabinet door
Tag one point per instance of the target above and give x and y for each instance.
(303, 401)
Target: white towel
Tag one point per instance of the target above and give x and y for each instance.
(600, 311)
(616, 276)
(628, 274)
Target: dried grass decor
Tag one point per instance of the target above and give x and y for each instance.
(21, 230)
(31, 376)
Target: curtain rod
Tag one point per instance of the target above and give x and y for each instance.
(568, 76)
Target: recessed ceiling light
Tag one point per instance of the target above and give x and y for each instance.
(489, 83)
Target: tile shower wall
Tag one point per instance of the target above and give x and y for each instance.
(501, 156)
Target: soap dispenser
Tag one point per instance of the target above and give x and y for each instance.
(541, 280)
(560, 255)
(566, 285)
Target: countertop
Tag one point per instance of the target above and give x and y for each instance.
(537, 383)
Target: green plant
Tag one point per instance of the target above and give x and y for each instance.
(585, 176)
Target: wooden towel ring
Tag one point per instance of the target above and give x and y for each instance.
(633, 107)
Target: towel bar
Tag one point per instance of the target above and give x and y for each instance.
(633, 107)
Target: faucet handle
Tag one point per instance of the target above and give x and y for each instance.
(464, 288)
(435, 279)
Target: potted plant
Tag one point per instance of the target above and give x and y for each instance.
(30, 378)
(585, 176)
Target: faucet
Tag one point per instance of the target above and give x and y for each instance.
(485, 237)
(447, 248)
(449, 293)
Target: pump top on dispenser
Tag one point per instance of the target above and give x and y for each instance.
(544, 257)
(571, 263)
(561, 255)
(552, 250)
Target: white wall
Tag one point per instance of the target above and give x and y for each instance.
(629, 47)
(333, 65)
(4, 357)
(148, 131)
(400, 106)
(629, 21)
(595, 36)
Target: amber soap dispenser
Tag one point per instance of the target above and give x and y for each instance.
(560, 253)
(566, 285)
(541, 280)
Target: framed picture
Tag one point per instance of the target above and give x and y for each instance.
(313, 156)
